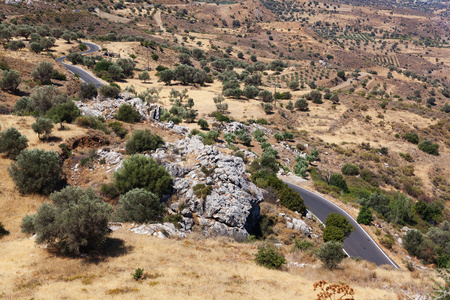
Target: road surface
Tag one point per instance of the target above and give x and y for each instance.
(359, 243)
(84, 75)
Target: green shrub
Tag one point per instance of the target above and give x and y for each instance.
(43, 72)
(201, 190)
(109, 91)
(337, 228)
(138, 274)
(411, 242)
(36, 171)
(63, 112)
(349, 169)
(292, 200)
(139, 171)
(139, 206)
(92, 122)
(27, 225)
(109, 190)
(75, 222)
(245, 138)
(412, 137)
(388, 241)
(331, 254)
(12, 142)
(264, 227)
(118, 129)
(262, 121)
(301, 166)
(301, 104)
(3, 231)
(143, 140)
(370, 177)
(270, 258)
(87, 91)
(429, 147)
(126, 113)
(203, 124)
(338, 181)
(303, 245)
(365, 216)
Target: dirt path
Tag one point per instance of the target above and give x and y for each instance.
(159, 22)
(348, 82)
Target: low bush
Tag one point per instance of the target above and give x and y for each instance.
(387, 241)
(412, 137)
(365, 216)
(118, 129)
(349, 169)
(331, 254)
(270, 258)
(139, 206)
(338, 181)
(201, 190)
(127, 113)
(143, 140)
(92, 122)
(303, 245)
(139, 171)
(429, 147)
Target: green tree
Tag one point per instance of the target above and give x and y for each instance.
(64, 112)
(139, 206)
(144, 76)
(139, 171)
(250, 92)
(43, 72)
(293, 85)
(75, 222)
(126, 113)
(401, 208)
(166, 76)
(365, 216)
(36, 47)
(331, 254)
(203, 124)
(266, 96)
(42, 126)
(36, 171)
(337, 228)
(116, 72)
(143, 140)
(12, 142)
(411, 242)
(10, 80)
(301, 104)
(292, 200)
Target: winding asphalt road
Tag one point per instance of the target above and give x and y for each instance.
(84, 75)
(359, 243)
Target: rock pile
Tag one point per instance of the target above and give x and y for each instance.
(98, 107)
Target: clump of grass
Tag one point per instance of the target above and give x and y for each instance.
(119, 291)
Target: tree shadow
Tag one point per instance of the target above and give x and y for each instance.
(53, 139)
(113, 247)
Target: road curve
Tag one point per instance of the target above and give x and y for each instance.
(84, 75)
(359, 243)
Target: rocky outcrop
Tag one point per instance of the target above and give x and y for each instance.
(107, 108)
(231, 206)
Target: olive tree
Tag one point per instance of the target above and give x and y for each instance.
(75, 222)
(36, 171)
(139, 205)
(12, 142)
(10, 80)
